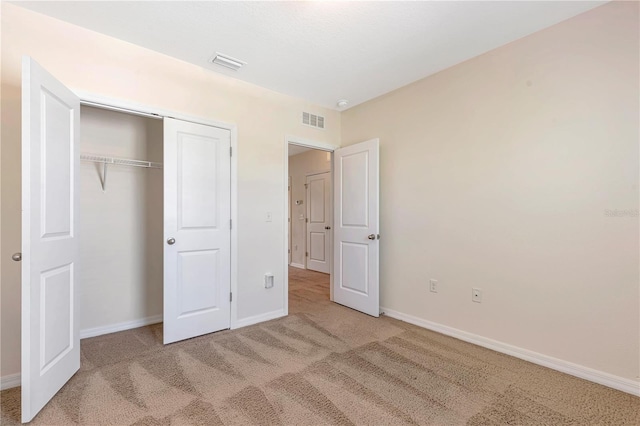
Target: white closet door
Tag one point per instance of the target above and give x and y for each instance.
(50, 164)
(356, 246)
(197, 216)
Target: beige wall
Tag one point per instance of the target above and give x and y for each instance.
(121, 228)
(309, 162)
(498, 173)
(94, 63)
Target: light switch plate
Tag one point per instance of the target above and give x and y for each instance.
(268, 280)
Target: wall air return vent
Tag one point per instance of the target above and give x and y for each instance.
(313, 120)
(227, 62)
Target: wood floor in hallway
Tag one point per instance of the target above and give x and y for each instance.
(306, 289)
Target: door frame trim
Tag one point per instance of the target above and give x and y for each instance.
(322, 146)
(156, 112)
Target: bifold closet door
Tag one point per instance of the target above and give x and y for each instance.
(197, 235)
(50, 165)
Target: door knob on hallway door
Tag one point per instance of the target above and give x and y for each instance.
(17, 257)
(171, 241)
(327, 227)
(372, 236)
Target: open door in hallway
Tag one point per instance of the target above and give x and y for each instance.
(356, 224)
(319, 222)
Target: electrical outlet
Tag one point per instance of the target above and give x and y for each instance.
(476, 295)
(433, 285)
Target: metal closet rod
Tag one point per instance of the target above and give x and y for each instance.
(124, 110)
(118, 162)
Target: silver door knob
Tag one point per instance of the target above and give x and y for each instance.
(327, 227)
(171, 241)
(17, 257)
(372, 236)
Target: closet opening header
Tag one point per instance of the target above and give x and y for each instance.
(124, 110)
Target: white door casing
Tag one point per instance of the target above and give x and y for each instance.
(319, 222)
(197, 235)
(356, 227)
(289, 220)
(50, 164)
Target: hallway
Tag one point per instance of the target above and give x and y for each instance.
(308, 290)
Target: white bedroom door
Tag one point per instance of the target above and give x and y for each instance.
(319, 222)
(50, 161)
(356, 227)
(197, 229)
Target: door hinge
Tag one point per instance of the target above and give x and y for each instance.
(306, 253)
(306, 219)
(306, 185)
(230, 297)
(230, 223)
(230, 151)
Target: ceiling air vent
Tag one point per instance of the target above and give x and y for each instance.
(312, 120)
(227, 62)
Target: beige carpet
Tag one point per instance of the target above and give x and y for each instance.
(323, 364)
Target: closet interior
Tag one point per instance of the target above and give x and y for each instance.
(121, 219)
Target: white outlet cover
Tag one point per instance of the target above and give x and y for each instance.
(433, 285)
(476, 295)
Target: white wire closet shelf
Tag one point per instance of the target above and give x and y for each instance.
(120, 161)
(105, 161)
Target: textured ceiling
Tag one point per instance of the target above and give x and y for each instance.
(319, 51)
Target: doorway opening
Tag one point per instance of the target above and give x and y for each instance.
(121, 217)
(169, 233)
(352, 238)
(310, 226)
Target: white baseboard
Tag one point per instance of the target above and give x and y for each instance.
(606, 379)
(113, 328)
(10, 381)
(244, 322)
(297, 265)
